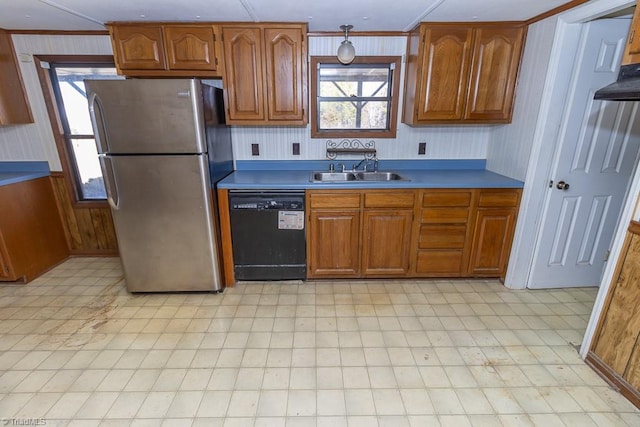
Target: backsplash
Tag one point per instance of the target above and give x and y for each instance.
(457, 142)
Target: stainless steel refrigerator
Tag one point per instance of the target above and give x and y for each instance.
(162, 143)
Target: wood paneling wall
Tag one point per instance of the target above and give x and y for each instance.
(89, 231)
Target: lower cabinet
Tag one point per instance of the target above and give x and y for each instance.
(494, 225)
(443, 233)
(615, 350)
(32, 239)
(410, 233)
(359, 233)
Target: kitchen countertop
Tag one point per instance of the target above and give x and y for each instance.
(280, 175)
(14, 172)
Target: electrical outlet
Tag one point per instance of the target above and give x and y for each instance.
(422, 148)
(255, 149)
(296, 148)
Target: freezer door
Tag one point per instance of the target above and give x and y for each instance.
(147, 116)
(163, 215)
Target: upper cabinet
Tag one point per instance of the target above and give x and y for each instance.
(14, 107)
(632, 50)
(265, 74)
(167, 50)
(462, 73)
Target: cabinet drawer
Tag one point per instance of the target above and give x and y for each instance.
(442, 236)
(444, 215)
(334, 200)
(398, 199)
(501, 198)
(446, 198)
(439, 262)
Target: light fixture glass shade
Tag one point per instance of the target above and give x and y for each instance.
(346, 52)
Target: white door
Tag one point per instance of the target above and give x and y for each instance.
(594, 161)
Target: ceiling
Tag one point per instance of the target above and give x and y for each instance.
(322, 15)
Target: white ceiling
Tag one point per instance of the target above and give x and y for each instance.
(322, 15)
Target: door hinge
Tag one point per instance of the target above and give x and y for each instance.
(607, 255)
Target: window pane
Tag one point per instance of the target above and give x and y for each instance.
(74, 97)
(86, 157)
(337, 115)
(374, 115)
(339, 81)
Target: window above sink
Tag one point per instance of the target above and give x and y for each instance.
(356, 100)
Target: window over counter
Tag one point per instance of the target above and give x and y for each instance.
(359, 100)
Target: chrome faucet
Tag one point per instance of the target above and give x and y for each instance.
(366, 163)
(355, 167)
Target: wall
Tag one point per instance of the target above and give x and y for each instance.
(510, 145)
(452, 142)
(35, 141)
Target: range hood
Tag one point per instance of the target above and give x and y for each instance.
(626, 88)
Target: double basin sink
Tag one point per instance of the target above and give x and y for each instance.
(350, 176)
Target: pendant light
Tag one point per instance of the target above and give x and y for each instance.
(346, 51)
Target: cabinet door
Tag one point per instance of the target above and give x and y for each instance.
(191, 48)
(445, 71)
(386, 240)
(621, 319)
(333, 245)
(493, 233)
(14, 107)
(243, 74)
(138, 48)
(285, 59)
(494, 70)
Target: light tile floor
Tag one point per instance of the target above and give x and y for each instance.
(77, 349)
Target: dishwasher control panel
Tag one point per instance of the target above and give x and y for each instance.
(265, 202)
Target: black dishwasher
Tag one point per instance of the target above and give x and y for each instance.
(268, 237)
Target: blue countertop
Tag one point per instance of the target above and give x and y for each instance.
(280, 175)
(14, 172)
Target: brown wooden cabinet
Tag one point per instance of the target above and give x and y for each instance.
(14, 106)
(359, 233)
(171, 50)
(615, 350)
(32, 238)
(443, 233)
(494, 226)
(266, 74)
(632, 51)
(462, 72)
(386, 232)
(333, 234)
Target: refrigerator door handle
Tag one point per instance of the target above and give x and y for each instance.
(110, 183)
(97, 120)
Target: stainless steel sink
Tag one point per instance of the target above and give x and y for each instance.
(378, 176)
(355, 176)
(332, 176)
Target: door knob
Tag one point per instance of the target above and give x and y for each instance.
(562, 185)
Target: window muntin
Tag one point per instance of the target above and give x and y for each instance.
(356, 100)
(71, 98)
